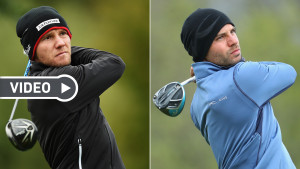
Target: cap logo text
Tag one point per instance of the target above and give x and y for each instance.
(47, 22)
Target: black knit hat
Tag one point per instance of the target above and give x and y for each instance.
(33, 25)
(200, 29)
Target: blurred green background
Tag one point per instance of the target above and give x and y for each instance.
(267, 29)
(120, 27)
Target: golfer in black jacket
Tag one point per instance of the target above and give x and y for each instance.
(66, 128)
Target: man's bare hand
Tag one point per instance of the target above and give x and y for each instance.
(192, 71)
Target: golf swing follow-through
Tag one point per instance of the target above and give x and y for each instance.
(73, 134)
(22, 133)
(231, 104)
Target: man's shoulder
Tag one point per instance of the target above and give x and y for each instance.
(75, 49)
(78, 50)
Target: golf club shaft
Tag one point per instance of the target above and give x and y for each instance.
(13, 110)
(17, 100)
(188, 81)
(27, 68)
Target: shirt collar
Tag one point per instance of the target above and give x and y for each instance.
(204, 68)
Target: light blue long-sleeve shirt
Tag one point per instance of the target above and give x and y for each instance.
(231, 107)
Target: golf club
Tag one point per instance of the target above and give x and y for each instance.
(22, 133)
(170, 99)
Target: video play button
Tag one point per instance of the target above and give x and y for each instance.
(64, 88)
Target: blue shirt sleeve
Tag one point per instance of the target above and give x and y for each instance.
(261, 81)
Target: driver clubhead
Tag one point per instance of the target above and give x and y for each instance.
(22, 133)
(170, 99)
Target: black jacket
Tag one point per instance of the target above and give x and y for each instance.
(62, 124)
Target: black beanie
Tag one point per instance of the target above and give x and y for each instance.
(200, 29)
(34, 24)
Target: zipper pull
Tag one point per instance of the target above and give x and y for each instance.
(80, 153)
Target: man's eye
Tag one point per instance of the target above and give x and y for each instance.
(233, 31)
(219, 38)
(47, 37)
(63, 33)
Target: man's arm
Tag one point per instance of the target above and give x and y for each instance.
(94, 70)
(262, 81)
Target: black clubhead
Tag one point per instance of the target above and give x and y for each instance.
(170, 99)
(22, 133)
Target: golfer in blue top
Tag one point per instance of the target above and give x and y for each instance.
(231, 106)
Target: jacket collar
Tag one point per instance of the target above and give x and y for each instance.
(36, 68)
(204, 69)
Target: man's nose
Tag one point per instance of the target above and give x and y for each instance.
(59, 42)
(232, 40)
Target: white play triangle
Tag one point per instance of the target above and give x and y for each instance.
(64, 88)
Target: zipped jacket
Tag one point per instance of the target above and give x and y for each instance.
(231, 107)
(69, 132)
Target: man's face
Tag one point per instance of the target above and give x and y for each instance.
(225, 49)
(54, 48)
